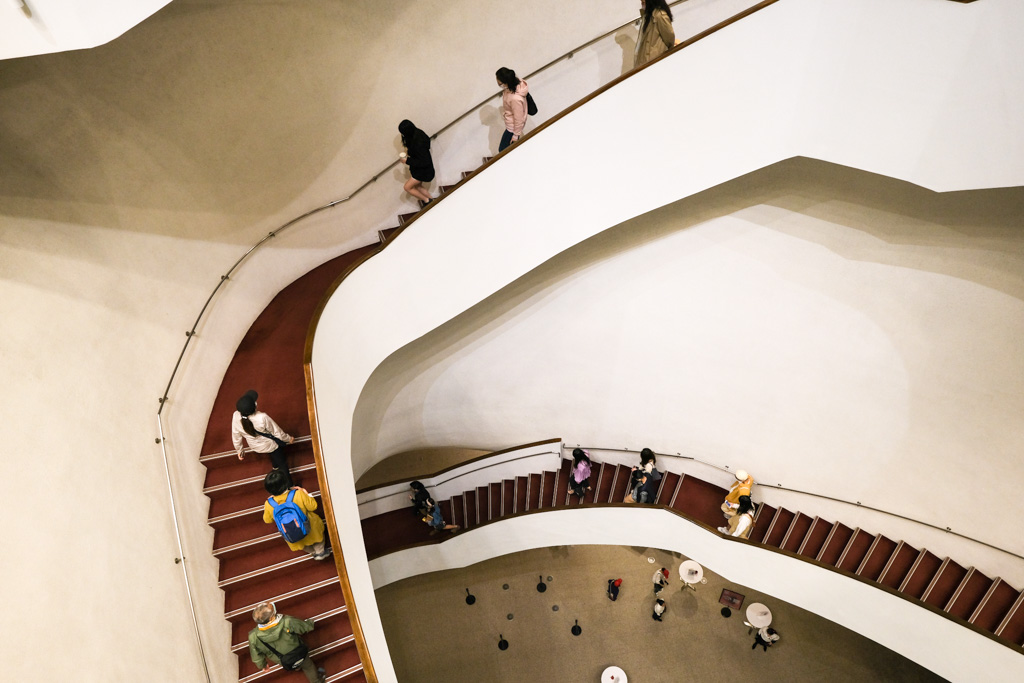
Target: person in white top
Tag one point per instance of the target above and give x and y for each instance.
(260, 432)
(659, 609)
(766, 637)
(742, 523)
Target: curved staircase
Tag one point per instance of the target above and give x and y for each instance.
(988, 605)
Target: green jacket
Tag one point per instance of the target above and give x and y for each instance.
(282, 636)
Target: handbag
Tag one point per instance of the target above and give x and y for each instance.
(290, 661)
(531, 106)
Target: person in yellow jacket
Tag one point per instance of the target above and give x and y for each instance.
(740, 487)
(315, 541)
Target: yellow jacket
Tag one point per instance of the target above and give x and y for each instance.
(307, 504)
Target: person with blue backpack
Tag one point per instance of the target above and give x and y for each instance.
(291, 509)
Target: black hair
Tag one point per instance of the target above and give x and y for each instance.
(246, 406)
(646, 455)
(417, 486)
(412, 136)
(276, 482)
(652, 5)
(507, 77)
(578, 455)
(746, 505)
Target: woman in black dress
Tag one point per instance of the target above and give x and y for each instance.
(421, 166)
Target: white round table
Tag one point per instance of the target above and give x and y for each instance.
(758, 615)
(613, 674)
(690, 572)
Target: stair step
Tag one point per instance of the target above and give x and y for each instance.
(228, 470)
(779, 527)
(877, 558)
(404, 218)
(296, 577)
(508, 497)
(836, 543)
(944, 584)
(329, 625)
(536, 485)
(603, 490)
(445, 189)
(995, 606)
(496, 498)
(701, 500)
(926, 566)
(669, 487)
(762, 521)
(252, 556)
(255, 482)
(797, 532)
(899, 565)
(815, 539)
(547, 491)
(856, 550)
(387, 233)
(483, 504)
(522, 493)
(458, 506)
(560, 497)
(250, 493)
(968, 595)
(469, 503)
(1012, 626)
(620, 484)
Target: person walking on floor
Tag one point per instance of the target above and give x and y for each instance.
(260, 432)
(291, 509)
(513, 105)
(613, 589)
(656, 33)
(660, 580)
(659, 609)
(417, 158)
(277, 640)
(766, 637)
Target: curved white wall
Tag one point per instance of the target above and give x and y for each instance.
(752, 95)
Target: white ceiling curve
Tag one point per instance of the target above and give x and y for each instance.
(36, 27)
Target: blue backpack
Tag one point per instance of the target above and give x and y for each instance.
(290, 519)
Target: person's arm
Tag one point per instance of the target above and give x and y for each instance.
(236, 434)
(518, 107)
(304, 500)
(257, 656)
(273, 428)
(665, 30)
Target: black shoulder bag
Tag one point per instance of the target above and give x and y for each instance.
(531, 106)
(290, 661)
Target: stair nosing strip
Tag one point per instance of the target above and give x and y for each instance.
(891, 561)
(224, 454)
(244, 544)
(913, 568)
(266, 570)
(959, 589)
(867, 555)
(984, 599)
(1009, 614)
(283, 596)
(935, 579)
(253, 480)
(846, 550)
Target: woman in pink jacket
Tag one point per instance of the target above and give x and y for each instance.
(513, 104)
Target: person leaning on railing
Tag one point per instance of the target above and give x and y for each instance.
(656, 33)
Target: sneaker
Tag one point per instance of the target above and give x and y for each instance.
(723, 529)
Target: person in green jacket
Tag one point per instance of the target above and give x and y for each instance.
(280, 633)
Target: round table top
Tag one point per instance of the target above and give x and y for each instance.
(691, 572)
(758, 615)
(613, 674)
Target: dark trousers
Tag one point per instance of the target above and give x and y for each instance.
(758, 641)
(506, 140)
(279, 460)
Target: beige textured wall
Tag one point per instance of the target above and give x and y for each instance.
(131, 176)
(827, 329)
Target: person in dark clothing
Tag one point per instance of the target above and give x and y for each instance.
(418, 159)
(766, 637)
(613, 589)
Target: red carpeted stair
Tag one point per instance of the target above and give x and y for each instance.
(992, 605)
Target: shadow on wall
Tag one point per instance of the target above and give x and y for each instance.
(627, 41)
(983, 226)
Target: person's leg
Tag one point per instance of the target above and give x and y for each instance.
(309, 668)
(506, 140)
(415, 188)
(279, 461)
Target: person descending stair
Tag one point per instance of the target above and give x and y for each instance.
(277, 639)
(261, 433)
(291, 509)
(740, 487)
